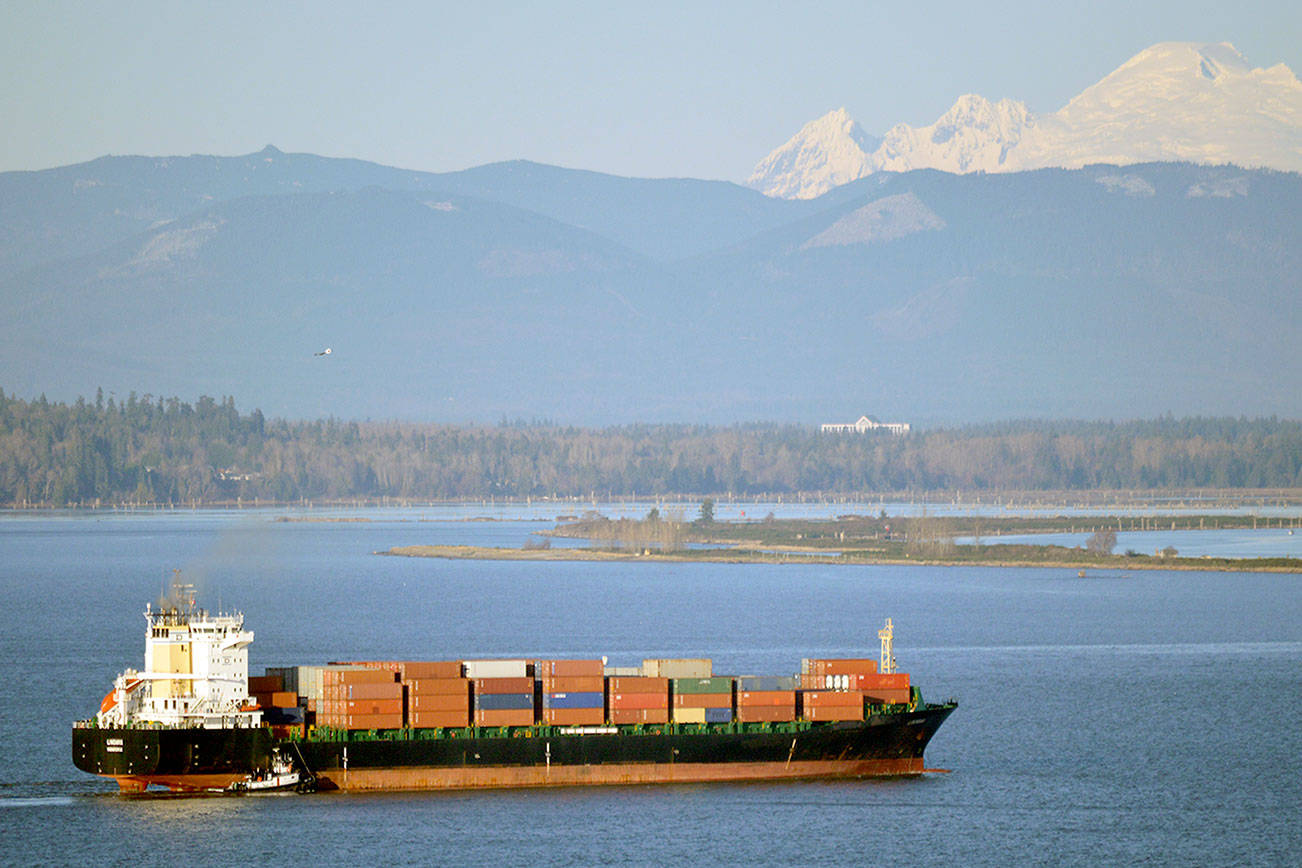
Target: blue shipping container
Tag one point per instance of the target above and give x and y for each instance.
(573, 700)
(494, 701)
(718, 715)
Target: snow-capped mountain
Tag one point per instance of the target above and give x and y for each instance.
(1176, 101)
(826, 153)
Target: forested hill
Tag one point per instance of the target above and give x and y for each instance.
(155, 450)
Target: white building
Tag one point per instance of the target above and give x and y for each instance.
(865, 424)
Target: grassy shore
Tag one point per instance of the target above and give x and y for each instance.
(1056, 556)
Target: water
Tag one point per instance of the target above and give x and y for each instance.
(1147, 717)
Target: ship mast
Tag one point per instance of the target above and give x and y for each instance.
(887, 635)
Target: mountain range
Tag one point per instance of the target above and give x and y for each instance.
(1175, 101)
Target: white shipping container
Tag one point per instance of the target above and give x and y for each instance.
(685, 667)
(496, 668)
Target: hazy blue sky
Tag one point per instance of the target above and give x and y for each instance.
(650, 89)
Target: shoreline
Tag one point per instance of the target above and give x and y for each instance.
(743, 556)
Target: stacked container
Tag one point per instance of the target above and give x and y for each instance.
(637, 699)
(439, 701)
(573, 692)
(692, 667)
(361, 699)
(503, 701)
(702, 700)
(855, 675)
(768, 698)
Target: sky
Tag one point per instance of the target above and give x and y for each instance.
(664, 89)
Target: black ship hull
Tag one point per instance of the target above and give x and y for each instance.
(195, 759)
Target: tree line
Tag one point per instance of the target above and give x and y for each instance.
(150, 449)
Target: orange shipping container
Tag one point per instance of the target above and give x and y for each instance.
(487, 686)
(639, 700)
(357, 676)
(639, 715)
(574, 716)
(766, 697)
(889, 695)
(438, 702)
(569, 668)
(765, 713)
(504, 717)
(703, 700)
(574, 684)
(374, 706)
(450, 686)
(416, 669)
(361, 721)
(368, 691)
(284, 699)
(812, 698)
(834, 712)
(433, 719)
(636, 684)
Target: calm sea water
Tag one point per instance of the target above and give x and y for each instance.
(1149, 717)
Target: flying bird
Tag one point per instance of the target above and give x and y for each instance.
(324, 352)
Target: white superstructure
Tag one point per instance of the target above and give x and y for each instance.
(196, 670)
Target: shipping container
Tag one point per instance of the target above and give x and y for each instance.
(283, 699)
(504, 700)
(719, 684)
(496, 669)
(383, 665)
(283, 716)
(486, 686)
(889, 695)
(689, 715)
(503, 717)
(703, 700)
(639, 700)
(573, 684)
(629, 684)
(450, 686)
(574, 700)
(766, 713)
(574, 716)
(373, 706)
(332, 677)
(830, 697)
(838, 666)
(718, 715)
(371, 691)
(362, 721)
(834, 712)
(266, 683)
(439, 719)
(766, 697)
(862, 681)
(622, 671)
(766, 683)
(627, 716)
(413, 670)
(569, 668)
(438, 702)
(693, 667)
(288, 676)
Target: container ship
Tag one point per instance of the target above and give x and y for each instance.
(194, 720)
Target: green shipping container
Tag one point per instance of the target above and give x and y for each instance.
(718, 684)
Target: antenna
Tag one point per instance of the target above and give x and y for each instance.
(887, 635)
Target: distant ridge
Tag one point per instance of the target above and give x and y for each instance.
(1175, 101)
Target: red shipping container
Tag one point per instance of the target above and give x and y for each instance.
(703, 700)
(834, 712)
(574, 716)
(766, 713)
(487, 686)
(265, 683)
(569, 668)
(839, 666)
(628, 716)
(450, 686)
(889, 695)
(639, 700)
(374, 706)
(504, 717)
(416, 669)
(637, 684)
(433, 719)
(831, 697)
(438, 702)
(574, 684)
(766, 697)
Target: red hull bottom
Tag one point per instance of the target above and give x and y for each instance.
(502, 777)
(176, 783)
